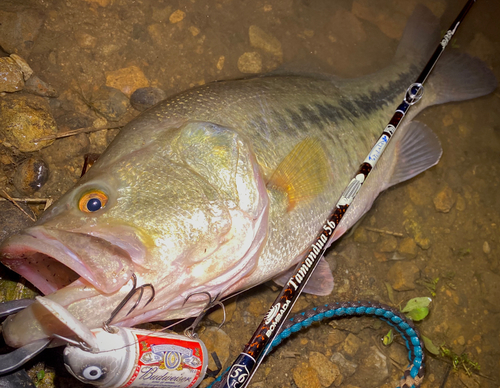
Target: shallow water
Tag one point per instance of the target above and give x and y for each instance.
(81, 43)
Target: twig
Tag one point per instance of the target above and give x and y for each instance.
(384, 231)
(28, 200)
(74, 132)
(16, 205)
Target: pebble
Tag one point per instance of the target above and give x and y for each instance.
(352, 344)
(264, 41)
(250, 63)
(145, 98)
(387, 244)
(177, 16)
(486, 247)
(335, 337)
(402, 275)
(327, 371)
(413, 228)
(460, 204)
(11, 76)
(127, 79)
(66, 148)
(85, 40)
(30, 176)
(347, 368)
(14, 71)
(374, 368)
(41, 88)
(24, 118)
(305, 376)
(444, 200)
(220, 62)
(19, 27)
(110, 103)
(217, 341)
(408, 248)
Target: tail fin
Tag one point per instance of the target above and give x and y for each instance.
(458, 77)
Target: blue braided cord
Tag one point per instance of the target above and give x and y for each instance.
(415, 351)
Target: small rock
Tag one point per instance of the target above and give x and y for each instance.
(19, 28)
(486, 247)
(414, 229)
(98, 141)
(41, 88)
(327, 371)
(220, 62)
(66, 148)
(145, 98)
(110, 102)
(387, 244)
(250, 63)
(11, 76)
(352, 344)
(347, 368)
(30, 176)
(195, 31)
(85, 40)
(444, 200)
(408, 248)
(177, 16)
(24, 118)
(305, 376)
(460, 204)
(264, 41)
(73, 120)
(14, 71)
(398, 353)
(127, 79)
(402, 276)
(335, 337)
(373, 369)
(217, 341)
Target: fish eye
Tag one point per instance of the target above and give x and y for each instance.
(92, 201)
(92, 372)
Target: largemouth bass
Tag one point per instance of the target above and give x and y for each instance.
(224, 186)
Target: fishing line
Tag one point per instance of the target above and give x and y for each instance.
(246, 364)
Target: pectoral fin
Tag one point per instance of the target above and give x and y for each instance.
(303, 173)
(320, 282)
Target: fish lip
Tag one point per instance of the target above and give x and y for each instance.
(40, 255)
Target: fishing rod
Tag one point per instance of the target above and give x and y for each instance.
(246, 364)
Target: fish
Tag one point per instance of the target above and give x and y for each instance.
(224, 186)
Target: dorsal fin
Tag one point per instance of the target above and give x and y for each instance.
(303, 173)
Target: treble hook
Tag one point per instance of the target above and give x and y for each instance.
(125, 300)
(189, 332)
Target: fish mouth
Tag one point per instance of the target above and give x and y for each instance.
(51, 259)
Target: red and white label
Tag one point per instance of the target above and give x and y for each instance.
(166, 362)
